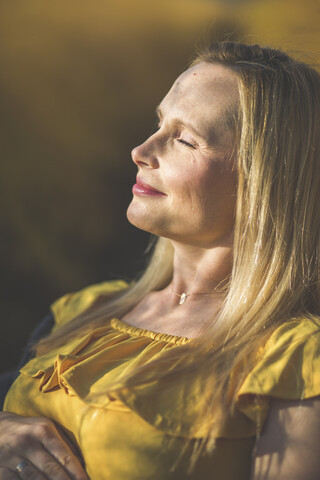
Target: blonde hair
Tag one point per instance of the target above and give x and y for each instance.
(275, 275)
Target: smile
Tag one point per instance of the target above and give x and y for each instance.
(143, 189)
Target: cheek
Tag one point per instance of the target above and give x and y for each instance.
(218, 193)
(192, 195)
(187, 191)
(184, 176)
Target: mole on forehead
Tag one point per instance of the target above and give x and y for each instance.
(207, 78)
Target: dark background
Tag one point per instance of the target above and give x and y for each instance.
(79, 82)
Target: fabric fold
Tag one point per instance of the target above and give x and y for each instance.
(289, 369)
(95, 368)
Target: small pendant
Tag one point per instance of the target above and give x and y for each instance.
(182, 298)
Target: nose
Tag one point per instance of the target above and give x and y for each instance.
(144, 155)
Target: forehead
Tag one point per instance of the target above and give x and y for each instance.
(208, 77)
(205, 94)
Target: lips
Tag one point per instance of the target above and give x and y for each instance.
(143, 188)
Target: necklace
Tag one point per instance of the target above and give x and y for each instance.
(184, 295)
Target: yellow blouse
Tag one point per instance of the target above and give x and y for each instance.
(137, 434)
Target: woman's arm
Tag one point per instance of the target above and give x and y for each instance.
(289, 446)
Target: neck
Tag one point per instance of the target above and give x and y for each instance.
(196, 271)
(200, 270)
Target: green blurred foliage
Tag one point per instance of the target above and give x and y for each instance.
(79, 82)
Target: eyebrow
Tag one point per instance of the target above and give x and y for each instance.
(179, 122)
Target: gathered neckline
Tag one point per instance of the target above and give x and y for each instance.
(124, 327)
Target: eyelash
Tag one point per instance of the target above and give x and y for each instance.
(183, 142)
(180, 140)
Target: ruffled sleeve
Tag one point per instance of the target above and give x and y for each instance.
(73, 304)
(289, 369)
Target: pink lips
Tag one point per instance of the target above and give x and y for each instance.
(142, 188)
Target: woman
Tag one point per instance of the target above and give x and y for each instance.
(208, 366)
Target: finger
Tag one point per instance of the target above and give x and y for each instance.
(49, 466)
(65, 457)
(26, 471)
(75, 449)
(7, 474)
(59, 451)
(31, 460)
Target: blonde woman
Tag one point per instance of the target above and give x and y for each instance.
(209, 365)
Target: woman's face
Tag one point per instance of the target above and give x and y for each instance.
(186, 182)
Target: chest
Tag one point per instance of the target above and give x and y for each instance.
(178, 320)
(118, 443)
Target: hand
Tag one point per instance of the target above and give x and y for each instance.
(39, 447)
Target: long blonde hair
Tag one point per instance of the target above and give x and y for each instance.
(275, 275)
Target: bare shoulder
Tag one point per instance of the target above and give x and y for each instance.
(289, 446)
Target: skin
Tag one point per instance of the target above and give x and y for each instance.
(49, 453)
(288, 447)
(195, 173)
(190, 159)
(192, 164)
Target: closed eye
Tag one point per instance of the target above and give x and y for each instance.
(187, 144)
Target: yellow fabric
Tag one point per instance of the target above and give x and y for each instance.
(139, 433)
(72, 304)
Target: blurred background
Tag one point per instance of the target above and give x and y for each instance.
(79, 82)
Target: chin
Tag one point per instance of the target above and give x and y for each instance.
(147, 221)
(139, 219)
